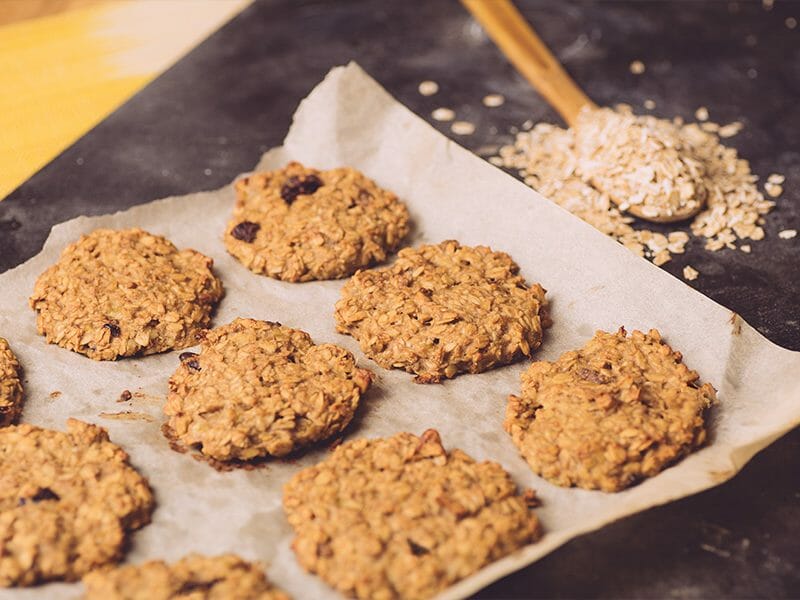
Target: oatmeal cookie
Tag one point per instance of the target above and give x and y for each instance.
(443, 309)
(618, 410)
(301, 224)
(10, 385)
(258, 389)
(117, 293)
(400, 517)
(67, 502)
(195, 576)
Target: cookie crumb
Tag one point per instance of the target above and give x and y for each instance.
(126, 415)
(701, 114)
(745, 248)
(690, 273)
(125, 396)
(462, 128)
(787, 234)
(791, 22)
(649, 104)
(736, 323)
(637, 67)
(494, 100)
(767, 4)
(443, 114)
(428, 88)
(55, 394)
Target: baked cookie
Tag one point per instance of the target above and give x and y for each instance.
(67, 502)
(225, 577)
(301, 224)
(127, 292)
(610, 414)
(400, 517)
(10, 385)
(442, 310)
(260, 389)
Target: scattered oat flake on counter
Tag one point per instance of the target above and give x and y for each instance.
(690, 273)
(494, 100)
(787, 234)
(428, 88)
(637, 67)
(730, 130)
(773, 189)
(776, 178)
(462, 128)
(443, 114)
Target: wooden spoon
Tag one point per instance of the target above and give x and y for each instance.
(526, 51)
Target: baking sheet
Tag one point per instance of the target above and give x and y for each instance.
(592, 282)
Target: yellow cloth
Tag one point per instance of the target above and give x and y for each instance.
(62, 74)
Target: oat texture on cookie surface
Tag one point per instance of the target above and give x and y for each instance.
(117, 293)
(303, 224)
(444, 309)
(610, 414)
(260, 389)
(68, 502)
(226, 577)
(10, 385)
(401, 517)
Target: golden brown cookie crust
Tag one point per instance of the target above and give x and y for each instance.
(301, 224)
(605, 416)
(443, 309)
(67, 502)
(260, 389)
(116, 293)
(193, 577)
(10, 385)
(400, 517)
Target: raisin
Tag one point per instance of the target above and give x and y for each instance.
(114, 329)
(591, 375)
(45, 494)
(416, 549)
(297, 186)
(188, 358)
(246, 231)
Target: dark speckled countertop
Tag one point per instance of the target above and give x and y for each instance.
(212, 115)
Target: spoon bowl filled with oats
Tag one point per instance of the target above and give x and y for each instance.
(644, 164)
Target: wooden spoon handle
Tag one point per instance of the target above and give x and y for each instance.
(526, 51)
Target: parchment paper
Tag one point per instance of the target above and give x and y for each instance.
(593, 282)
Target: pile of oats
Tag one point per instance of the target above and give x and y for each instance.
(642, 163)
(547, 159)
